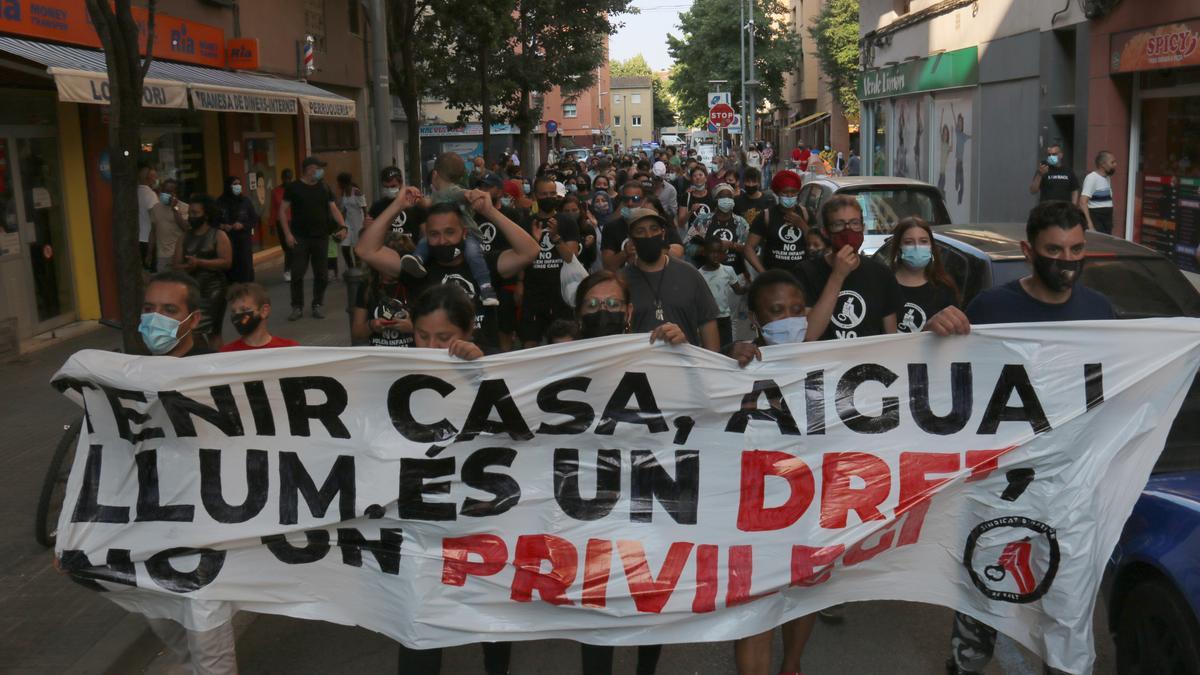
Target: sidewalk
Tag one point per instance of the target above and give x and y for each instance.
(47, 623)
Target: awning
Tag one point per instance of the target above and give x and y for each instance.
(81, 76)
(811, 119)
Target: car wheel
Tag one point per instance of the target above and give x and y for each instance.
(1156, 632)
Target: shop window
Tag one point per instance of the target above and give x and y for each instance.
(569, 110)
(331, 135)
(1167, 188)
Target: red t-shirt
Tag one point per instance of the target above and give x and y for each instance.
(795, 154)
(240, 345)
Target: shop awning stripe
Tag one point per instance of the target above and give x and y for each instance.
(811, 119)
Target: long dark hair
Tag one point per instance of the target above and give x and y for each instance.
(450, 299)
(935, 272)
(595, 279)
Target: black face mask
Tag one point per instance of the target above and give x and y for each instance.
(1110, 172)
(444, 253)
(602, 323)
(245, 322)
(195, 221)
(549, 204)
(649, 249)
(1058, 275)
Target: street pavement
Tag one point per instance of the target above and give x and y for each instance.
(50, 625)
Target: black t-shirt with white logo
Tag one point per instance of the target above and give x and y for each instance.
(493, 242)
(920, 304)
(725, 231)
(385, 303)
(704, 205)
(782, 241)
(1058, 183)
(869, 294)
(542, 287)
(459, 275)
(409, 221)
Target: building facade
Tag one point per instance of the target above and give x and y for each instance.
(632, 100)
(581, 120)
(810, 112)
(224, 97)
(968, 95)
(1144, 107)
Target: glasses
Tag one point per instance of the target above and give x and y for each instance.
(611, 304)
(855, 224)
(632, 199)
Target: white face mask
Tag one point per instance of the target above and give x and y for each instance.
(785, 331)
(391, 192)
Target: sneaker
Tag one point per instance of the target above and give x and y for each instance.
(296, 314)
(317, 313)
(411, 265)
(489, 295)
(287, 275)
(832, 614)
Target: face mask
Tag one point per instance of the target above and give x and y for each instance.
(751, 189)
(165, 198)
(235, 189)
(391, 192)
(195, 221)
(506, 202)
(815, 252)
(1058, 275)
(601, 207)
(158, 332)
(785, 331)
(916, 255)
(1052, 160)
(602, 323)
(725, 204)
(698, 185)
(626, 213)
(1110, 172)
(444, 253)
(649, 249)
(549, 204)
(525, 188)
(847, 237)
(787, 202)
(320, 173)
(571, 187)
(245, 322)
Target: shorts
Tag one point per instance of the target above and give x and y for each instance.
(536, 317)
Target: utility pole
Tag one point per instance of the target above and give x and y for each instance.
(381, 94)
(742, 60)
(748, 124)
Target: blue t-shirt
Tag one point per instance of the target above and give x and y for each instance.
(1011, 304)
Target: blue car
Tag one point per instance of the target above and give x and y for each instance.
(1152, 584)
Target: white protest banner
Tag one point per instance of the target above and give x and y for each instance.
(614, 492)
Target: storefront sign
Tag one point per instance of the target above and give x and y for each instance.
(324, 107)
(81, 87)
(473, 129)
(1168, 46)
(242, 53)
(959, 68)
(226, 100)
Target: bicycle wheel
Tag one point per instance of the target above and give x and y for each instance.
(54, 486)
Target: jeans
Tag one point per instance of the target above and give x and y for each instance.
(475, 260)
(598, 660)
(1102, 218)
(310, 252)
(209, 652)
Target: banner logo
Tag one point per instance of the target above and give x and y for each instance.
(1012, 559)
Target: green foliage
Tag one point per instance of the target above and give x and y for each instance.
(835, 36)
(710, 49)
(634, 66)
(472, 39)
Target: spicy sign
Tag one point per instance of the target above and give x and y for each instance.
(1167, 46)
(67, 21)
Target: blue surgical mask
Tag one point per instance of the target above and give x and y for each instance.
(158, 332)
(785, 331)
(165, 198)
(525, 188)
(1052, 160)
(916, 255)
(506, 202)
(237, 189)
(320, 173)
(787, 202)
(626, 213)
(725, 204)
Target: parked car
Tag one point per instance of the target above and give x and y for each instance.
(671, 140)
(885, 201)
(577, 154)
(1152, 584)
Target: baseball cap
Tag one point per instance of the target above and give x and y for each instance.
(390, 173)
(311, 161)
(490, 180)
(637, 215)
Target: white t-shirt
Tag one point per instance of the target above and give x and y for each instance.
(1098, 190)
(720, 281)
(754, 159)
(147, 198)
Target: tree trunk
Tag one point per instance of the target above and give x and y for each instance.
(405, 73)
(525, 124)
(485, 109)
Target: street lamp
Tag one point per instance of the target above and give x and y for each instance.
(603, 127)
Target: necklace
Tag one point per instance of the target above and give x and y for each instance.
(658, 306)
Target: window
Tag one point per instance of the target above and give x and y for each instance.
(569, 110)
(354, 24)
(635, 98)
(636, 120)
(331, 135)
(616, 98)
(314, 22)
(616, 120)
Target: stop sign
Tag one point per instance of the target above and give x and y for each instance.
(721, 115)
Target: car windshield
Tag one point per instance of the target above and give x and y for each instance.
(883, 208)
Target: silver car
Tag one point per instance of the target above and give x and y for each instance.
(885, 201)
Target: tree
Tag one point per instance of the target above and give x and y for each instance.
(710, 50)
(409, 30)
(119, 36)
(636, 66)
(473, 40)
(835, 36)
(557, 43)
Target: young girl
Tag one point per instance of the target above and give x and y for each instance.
(925, 286)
